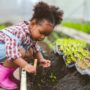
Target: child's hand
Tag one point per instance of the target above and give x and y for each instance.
(31, 68)
(45, 63)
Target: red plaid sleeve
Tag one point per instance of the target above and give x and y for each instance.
(12, 49)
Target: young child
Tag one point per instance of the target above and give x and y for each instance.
(20, 41)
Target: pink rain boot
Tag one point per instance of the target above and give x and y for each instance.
(5, 82)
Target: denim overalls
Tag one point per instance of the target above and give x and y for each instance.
(2, 45)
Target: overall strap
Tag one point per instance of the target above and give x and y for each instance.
(12, 36)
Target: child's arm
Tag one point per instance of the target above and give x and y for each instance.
(38, 55)
(23, 64)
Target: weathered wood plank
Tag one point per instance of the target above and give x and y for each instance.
(23, 85)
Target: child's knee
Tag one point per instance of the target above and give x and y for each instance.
(8, 63)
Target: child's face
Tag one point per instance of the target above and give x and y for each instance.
(41, 30)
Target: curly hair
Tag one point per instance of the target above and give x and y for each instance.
(44, 11)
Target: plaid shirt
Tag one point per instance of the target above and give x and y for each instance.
(21, 31)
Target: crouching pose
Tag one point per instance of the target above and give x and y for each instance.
(16, 42)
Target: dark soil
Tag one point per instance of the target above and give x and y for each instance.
(58, 76)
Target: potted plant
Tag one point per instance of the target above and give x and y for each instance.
(74, 52)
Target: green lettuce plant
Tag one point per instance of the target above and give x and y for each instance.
(72, 50)
(84, 27)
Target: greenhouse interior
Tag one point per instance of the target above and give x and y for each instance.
(45, 45)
